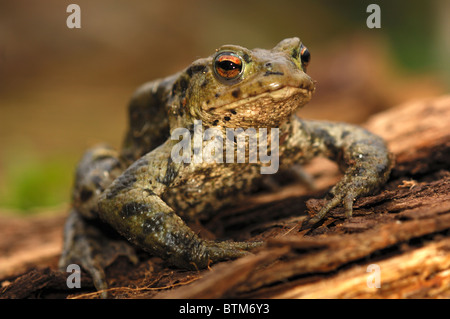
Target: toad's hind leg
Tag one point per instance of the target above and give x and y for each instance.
(149, 223)
(87, 241)
(133, 205)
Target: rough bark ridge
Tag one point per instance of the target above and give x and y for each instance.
(404, 232)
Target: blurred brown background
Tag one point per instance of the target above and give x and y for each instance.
(63, 90)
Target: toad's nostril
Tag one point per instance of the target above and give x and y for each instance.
(268, 65)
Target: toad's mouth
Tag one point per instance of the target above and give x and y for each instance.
(274, 95)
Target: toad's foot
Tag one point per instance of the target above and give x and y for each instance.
(216, 251)
(345, 199)
(93, 248)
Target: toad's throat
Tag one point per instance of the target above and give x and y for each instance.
(268, 109)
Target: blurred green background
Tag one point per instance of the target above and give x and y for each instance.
(63, 90)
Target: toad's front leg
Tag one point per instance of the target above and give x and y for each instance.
(361, 155)
(132, 205)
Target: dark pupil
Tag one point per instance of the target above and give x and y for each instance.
(228, 65)
(306, 56)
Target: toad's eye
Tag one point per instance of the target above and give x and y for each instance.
(228, 65)
(305, 56)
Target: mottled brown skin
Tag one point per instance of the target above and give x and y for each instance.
(147, 197)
